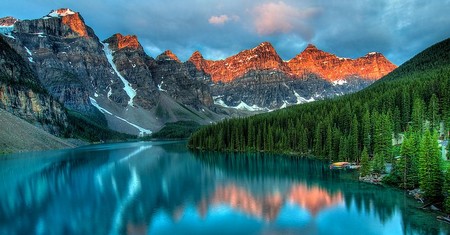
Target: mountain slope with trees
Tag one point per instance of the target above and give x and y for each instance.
(418, 92)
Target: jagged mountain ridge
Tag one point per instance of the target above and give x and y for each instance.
(259, 80)
(138, 94)
(312, 60)
(371, 66)
(114, 76)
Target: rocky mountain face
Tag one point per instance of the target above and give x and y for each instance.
(133, 64)
(259, 80)
(7, 21)
(66, 55)
(311, 61)
(262, 57)
(372, 66)
(138, 94)
(22, 94)
(115, 77)
(270, 90)
(174, 78)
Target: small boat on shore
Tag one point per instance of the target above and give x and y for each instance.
(344, 165)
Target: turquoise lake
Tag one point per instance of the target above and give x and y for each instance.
(163, 188)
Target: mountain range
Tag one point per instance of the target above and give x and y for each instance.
(116, 82)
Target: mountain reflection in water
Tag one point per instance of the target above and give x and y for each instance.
(161, 188)
(268, 206)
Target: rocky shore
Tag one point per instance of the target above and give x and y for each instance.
(373, 178)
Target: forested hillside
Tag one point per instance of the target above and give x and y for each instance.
(416, 95)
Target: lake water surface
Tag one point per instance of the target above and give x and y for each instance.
(162, 188)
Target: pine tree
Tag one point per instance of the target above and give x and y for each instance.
(270, 140)
(407, 166)
(406, 106)
(447, 127)
(446, 192)
(353, 142)
(378, 166)
(251, 135)
(383, 136)
(433, 112)
(448, 151)
(318, 140)
(329, 143)
(336, 143)
(387, 138)
(377, 132)
(304, 141)
(397, 122)
(259, 140)
(417, 115)
(430, 161)
(343, 149)
(366, 130)
(365, 164)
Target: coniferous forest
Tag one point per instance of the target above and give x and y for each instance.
(412, 103)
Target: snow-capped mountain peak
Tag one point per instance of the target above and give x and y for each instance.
(7, 21)
(7, 26)
(61, 12)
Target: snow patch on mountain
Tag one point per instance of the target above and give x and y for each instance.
(284, 105)
(59, 13)
(28, 51)
(30, 57)
(127, 86)
(6, 30)
(160, 86)
(109, 92)
(302, 100)
(241, 106)
(7, 25)
(10, 36)
(244, 106)
(95, 104)
(142, 131)
(339, 82)
(218, 101)
(342, 58)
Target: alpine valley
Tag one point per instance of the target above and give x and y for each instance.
(58, 75)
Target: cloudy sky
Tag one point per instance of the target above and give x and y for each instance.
(219, 28)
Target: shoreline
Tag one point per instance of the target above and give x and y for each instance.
(415, 194)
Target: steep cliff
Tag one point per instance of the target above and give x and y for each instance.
(67, 57)
(325, 65)
(134, 64)
(262, 57)
(332, 68)
(258, 80)
(174, 78)
(22, 94)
